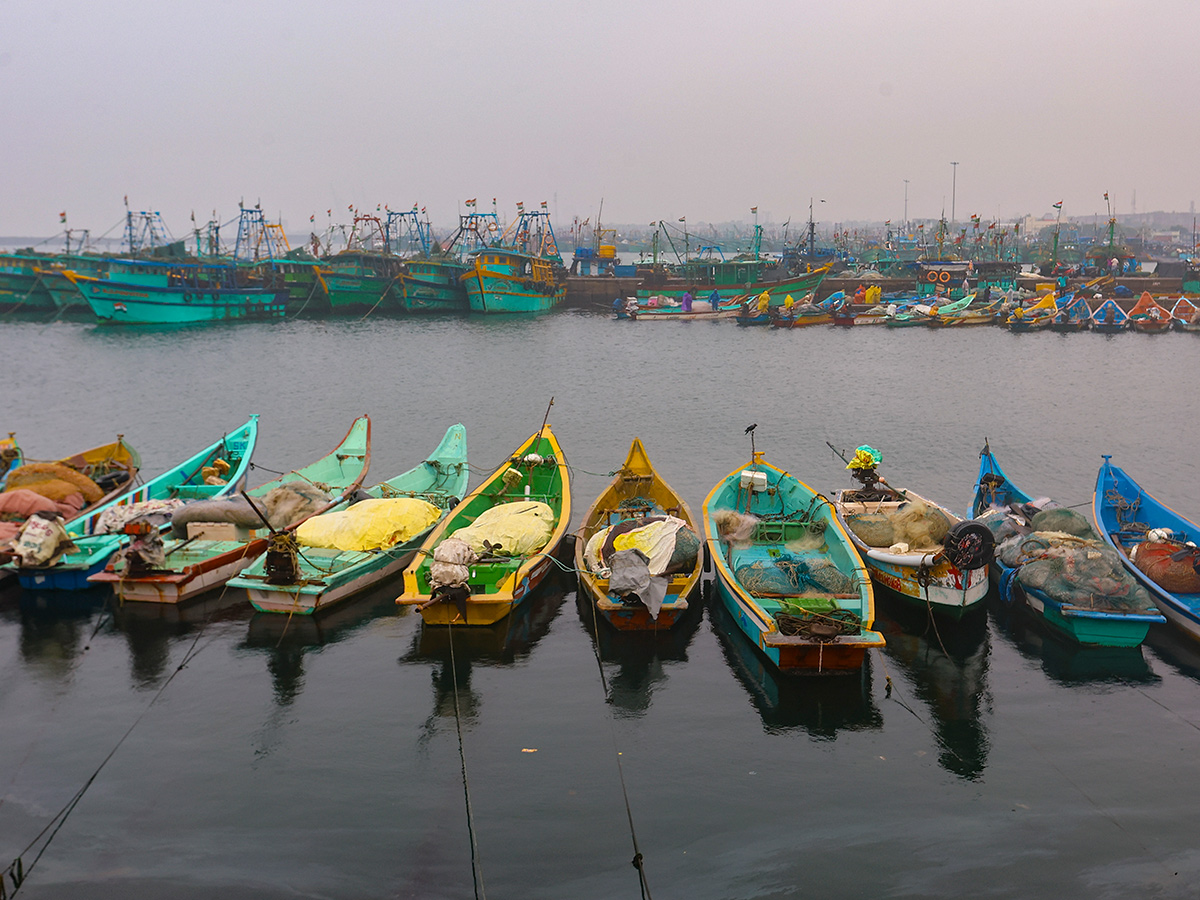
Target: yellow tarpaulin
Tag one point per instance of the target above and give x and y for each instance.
(519, 528)
(369, 524)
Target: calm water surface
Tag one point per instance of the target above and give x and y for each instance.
(320, 758)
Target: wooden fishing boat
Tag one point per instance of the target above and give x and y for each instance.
(726, 309)
(913, 546)
(186, 481)
(110, 468)
(917, 315)
(787, 572)
(1074, 314)
(1109, 318)
(1128, 518)
(1185, 315)
(735, 279)
(637, 495)
(316, 578)
(523, 273)
(1148, 316)
(1037, 317)
(976, 312)
(534, 482)
(834, 309)
(143, 292)
(202, 562)
(1070, 585)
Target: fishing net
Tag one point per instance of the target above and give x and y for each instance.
(1074, 571)
(1170, 564)
(53, 481)
(789, 574)
(913, 522)
(735, 527)
(1066, 521)
(687, 550)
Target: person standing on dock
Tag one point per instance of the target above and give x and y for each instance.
(686, 304)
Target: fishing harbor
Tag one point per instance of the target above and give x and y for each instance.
(319, 751)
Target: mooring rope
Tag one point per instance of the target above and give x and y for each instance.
(638, 860)
(17, 871)
(476, 870)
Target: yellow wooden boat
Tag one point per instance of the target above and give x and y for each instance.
(112, 469)
(637, 494)
(498, 580)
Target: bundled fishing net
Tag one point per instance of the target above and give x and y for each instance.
(790, 574)
(734, 527)
(913, 522)
(1066, 521)
(1074, 571)
(1000, 523)
(53, 481)
(1170, 564)
(283, 506)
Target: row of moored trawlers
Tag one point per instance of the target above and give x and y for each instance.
(795, 569)
(392, 264)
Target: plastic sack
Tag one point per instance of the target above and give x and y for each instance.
(451, 566)
(515, 529)
(369, 525)
(42, 541)
(656, 540)
(865, 458)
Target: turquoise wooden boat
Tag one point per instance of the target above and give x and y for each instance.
(1125, 514)
(508, 281)
(793, 581)
(523, 272)
(1120, 618)
(433, 285)
(142, 292)
(329, 576)
(197, 564)
(1074, 314)
(182, 482)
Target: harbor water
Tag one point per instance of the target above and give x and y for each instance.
(263, 757)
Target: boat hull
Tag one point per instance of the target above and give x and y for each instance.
(495, 294)
(176, 587)
(135, 304)
(304, 600)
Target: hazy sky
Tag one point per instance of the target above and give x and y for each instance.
(663, 109)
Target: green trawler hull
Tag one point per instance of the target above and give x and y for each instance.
(434, 286)
(147, 302)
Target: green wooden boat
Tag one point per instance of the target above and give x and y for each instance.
(182, 482)
(198, 564)
(500, 580)
(328, 576)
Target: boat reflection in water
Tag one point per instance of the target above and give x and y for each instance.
(1067, 663)
(634, 660)
(503, 643)
(1176, 649)
(56, 626)
(286, 639)
(821, 705)
(150, 629)
(946, 662)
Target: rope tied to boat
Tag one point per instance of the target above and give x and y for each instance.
(824, 628)
(1126, 510)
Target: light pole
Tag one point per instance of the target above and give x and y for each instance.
(953, 190)
(906, 206)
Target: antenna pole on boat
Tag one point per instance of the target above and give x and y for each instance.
(545, 419)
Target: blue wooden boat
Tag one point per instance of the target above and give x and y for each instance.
(787, 571)
(185, 481)
(325, 576)
(1109, 318)
(142, 292)
(1063, 578)
(1074, 314)
(1126, 515)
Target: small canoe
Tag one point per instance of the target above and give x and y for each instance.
(533, 484)
(186, 481)
(1128, 518)
(787, 572)
(326, 576)
(111, 469)
(1074, 314)
(1109, 318)
(1037, 317)
(199, 563)
(1185, 315)
(1051, 559)
(913, 546)
(638, 495)
(1148, 316)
